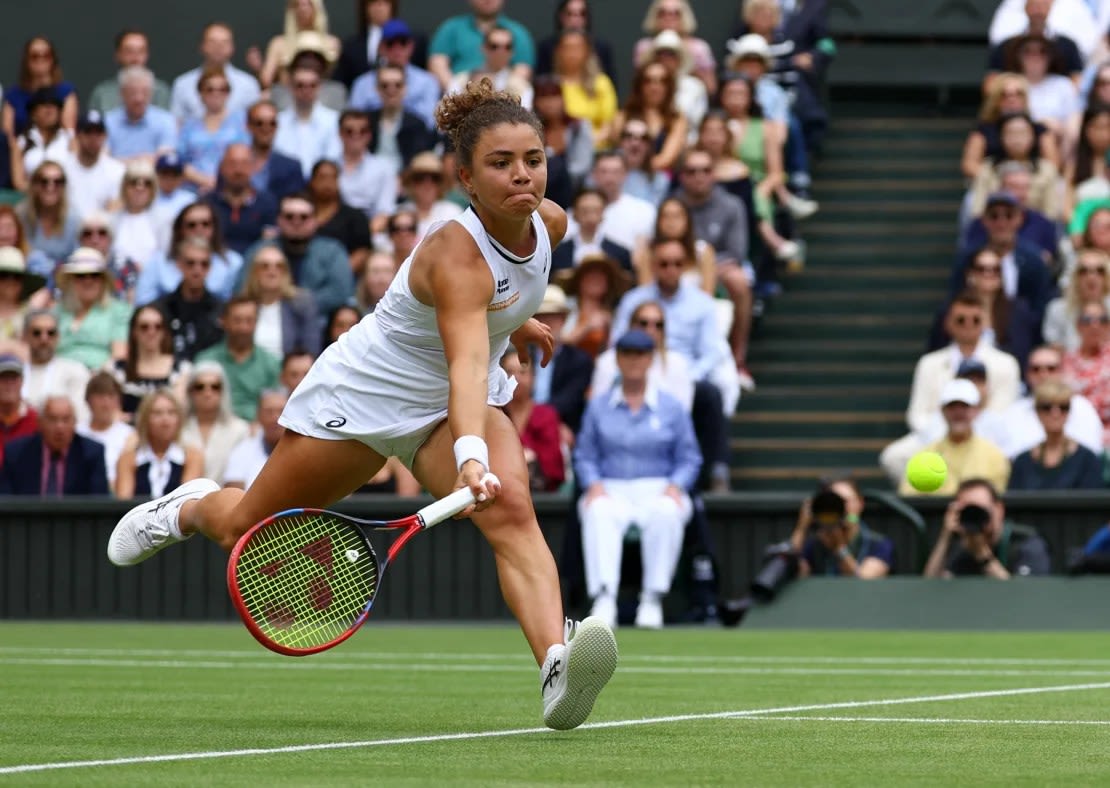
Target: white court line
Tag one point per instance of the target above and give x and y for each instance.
(928, 720)
(488, 667)
(352, 654)
(785, 710)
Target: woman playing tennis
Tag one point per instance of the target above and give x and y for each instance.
(419, 379)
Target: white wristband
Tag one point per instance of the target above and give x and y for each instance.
(471, 447)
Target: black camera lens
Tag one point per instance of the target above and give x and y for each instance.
(974, 518)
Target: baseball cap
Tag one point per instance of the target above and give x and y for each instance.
(10, 363)
(959, 390)
(169, 162)
(636, 341)
(971, 366)
(91, 121)
(1002, 198)
(394, 29)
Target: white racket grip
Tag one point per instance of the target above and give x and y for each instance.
(438, 511)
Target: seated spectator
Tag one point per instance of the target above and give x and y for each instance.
(401, 235)
(46, 373)
(1053, 99)
(300, 16)
(245, 213)
(97, 233)
(270, 171)
(136, 236)
(967, 455)
(202, 141)
(588, 94)
(497, 50)
(396, 48)
(334, 218)
(1019, 145)
(55, 461)
(1065, 58)
(690, 98)
(1008, 94)
(423, 186)
(44, 139)
(17, 285)
(1035, 229)
(1094, 231)
(93, 176)
(319, 265)
(366, 181)
(192, 309)
(249, 368)
(585, 241)
(49, 224)
(137, 129)
(595, 286)
(361, 50)
(250, 454)
(538, 426)
(677, 15)
(340, 320)
(636, 458)
(17, 418)
(312, 53)
(376, 278)
(987, 544)
(294, 367)
(626, 220)
(161, 275)
(1085, 173)
(170, 197)
(636, 146)
(564, 382)
(1087, 368)
(105, 424)
(217, 45)
(1089, 284)
(574, 15)
(1009, 324)
(91, 323)
(675, 222)
(286, 314)
(209, 420)
(652, 100)
(38, 68)
(569, 142)
(398, 133)
(1058, 462)
(150, 364)
(307, 131)
(831, 540)
(456, 43)
(157, 462)
(132, 49)
(1023, 427)
(11, 234)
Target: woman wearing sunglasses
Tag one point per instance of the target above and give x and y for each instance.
(1057, 462)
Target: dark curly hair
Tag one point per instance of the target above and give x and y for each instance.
(464, 116)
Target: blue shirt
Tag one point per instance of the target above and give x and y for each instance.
(773, 100)
(309, 140)
(243, 226)
(203, 149)
(691, 319)
(185, 102)
(155, 131)
(422, 93)
(656, 442)
(460, 40)
(161, 276)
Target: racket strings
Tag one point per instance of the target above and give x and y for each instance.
(306, 579)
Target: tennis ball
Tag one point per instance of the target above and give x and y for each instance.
(926, 471)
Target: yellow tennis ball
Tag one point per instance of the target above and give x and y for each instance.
(926, 471)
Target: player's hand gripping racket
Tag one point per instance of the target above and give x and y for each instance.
(304, 580)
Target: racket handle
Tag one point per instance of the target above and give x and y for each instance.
(438, 511)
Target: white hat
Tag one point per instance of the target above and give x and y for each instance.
(959, 390)
(668, 40)
(85, 260)
(746, 46)
(554, 302)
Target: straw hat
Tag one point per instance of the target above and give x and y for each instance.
(554, 302)
(668, 41)
(13, 262)
(619, 280)
(84, 261)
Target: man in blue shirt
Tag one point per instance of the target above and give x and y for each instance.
(422, 90)
(217, 45)
(138, 129)
(457, 43)
(245, 213)
(636, 457)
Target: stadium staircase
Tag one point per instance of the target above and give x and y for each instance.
(833, 356)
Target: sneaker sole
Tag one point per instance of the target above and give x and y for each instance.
(185, 490)
(591, 660)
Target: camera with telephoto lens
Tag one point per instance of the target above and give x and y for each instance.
(973, 519)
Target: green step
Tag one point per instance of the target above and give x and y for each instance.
(797, 456)
(800, 302)
(867, 349)
(801, 479)
(908, 327)
(888, 424)
(827, 373)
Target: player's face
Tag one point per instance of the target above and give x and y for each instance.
(509, 170)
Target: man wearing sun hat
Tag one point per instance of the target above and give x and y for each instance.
(16, 284)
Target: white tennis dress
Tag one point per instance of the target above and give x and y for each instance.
(384, 382)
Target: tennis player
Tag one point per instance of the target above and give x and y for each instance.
(419, 379)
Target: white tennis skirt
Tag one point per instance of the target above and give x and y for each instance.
(366, 388)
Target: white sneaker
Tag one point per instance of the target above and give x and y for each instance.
(605, 608)
(150, 526)
(649, 615)
(801, 208)
(574, 674)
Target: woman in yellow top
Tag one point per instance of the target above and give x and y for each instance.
(588, 94)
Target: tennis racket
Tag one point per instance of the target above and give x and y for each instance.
(305, 580)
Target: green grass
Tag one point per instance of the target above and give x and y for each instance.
(78, 692)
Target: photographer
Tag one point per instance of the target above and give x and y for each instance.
(831, 540)
(987, 544)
